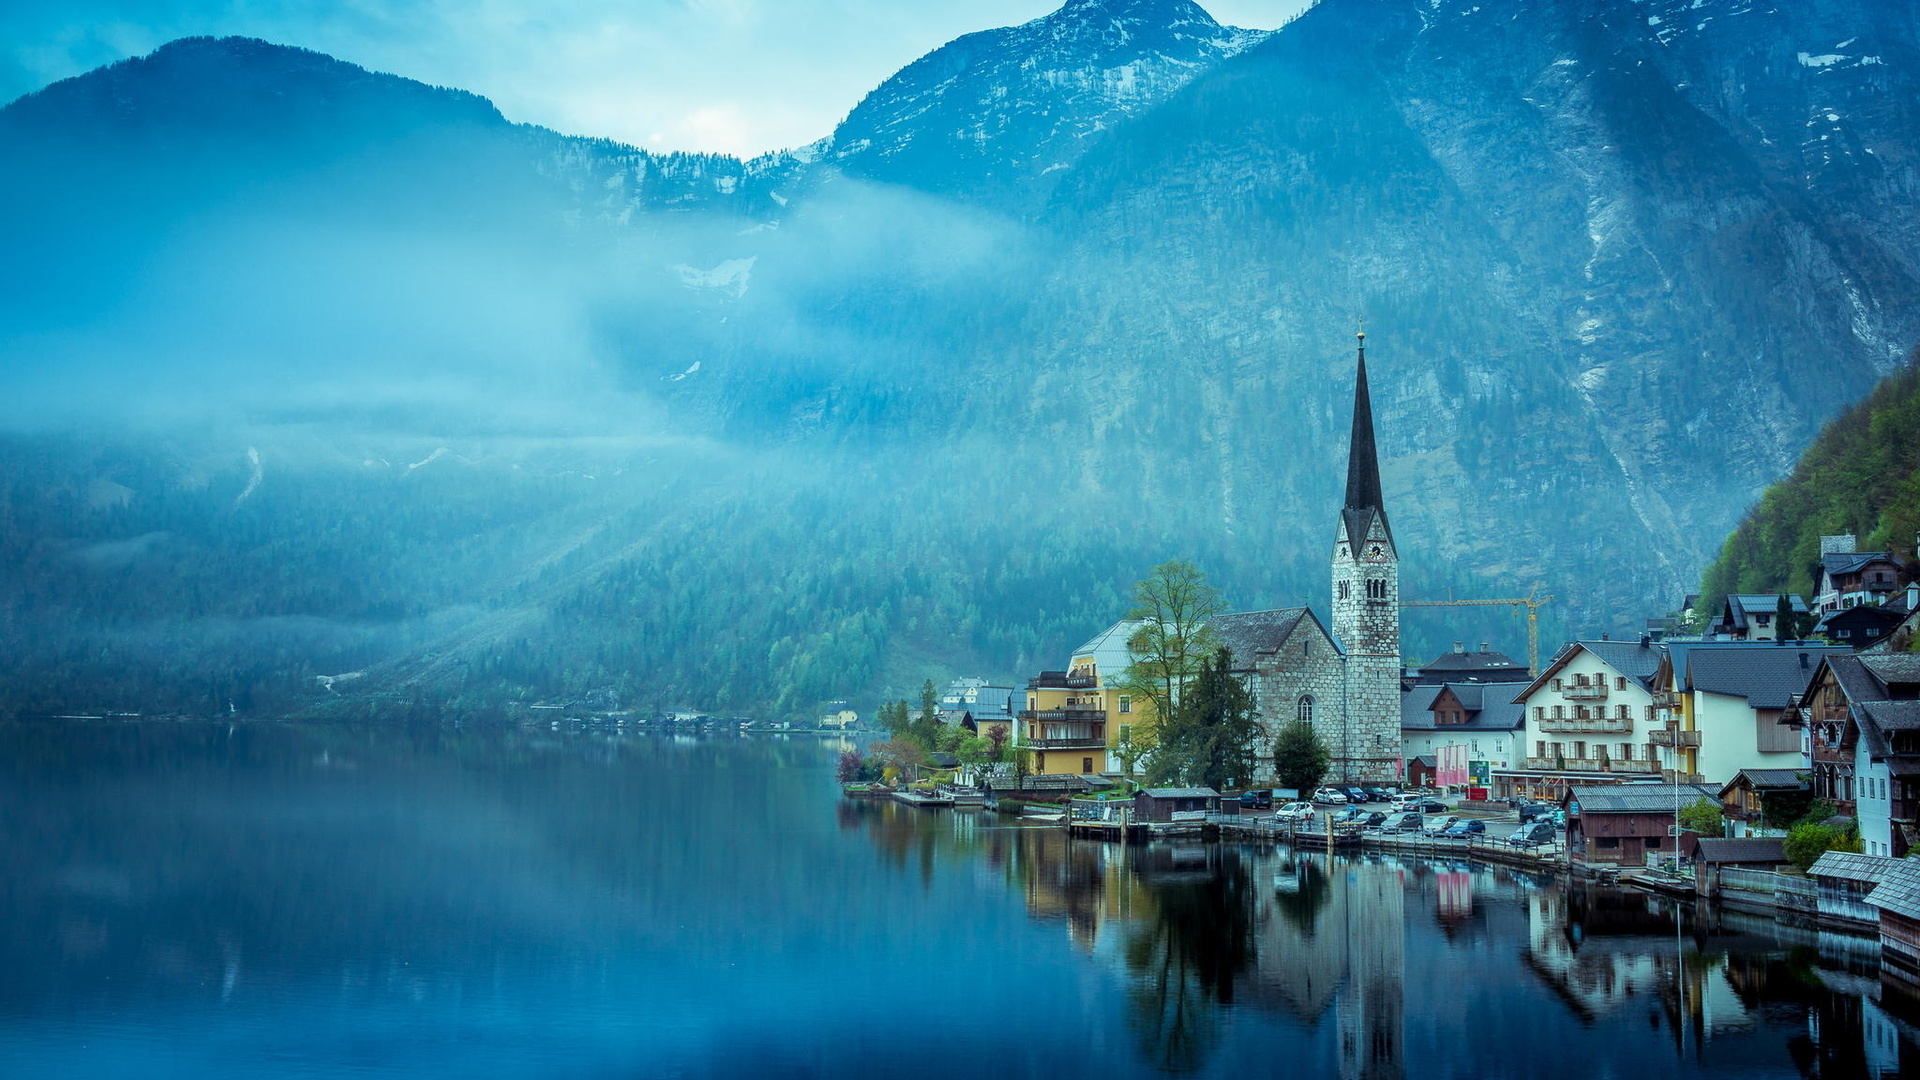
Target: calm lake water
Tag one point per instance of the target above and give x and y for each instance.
(274, 900)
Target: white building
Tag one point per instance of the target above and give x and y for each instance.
(1587, 719)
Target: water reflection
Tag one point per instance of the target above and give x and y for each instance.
(1537, 970)
(188, 900)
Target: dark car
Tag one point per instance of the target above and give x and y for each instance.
(1463, 828)
(1357, 795)
(1380, 794)
(1256, 800)
(1376, 818)
(1428, 806)
(1534, 835)
(1536, 811)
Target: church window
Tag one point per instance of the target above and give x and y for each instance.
(1306, 648)
(1346, 590)
(1376, 589)
(1305, 710)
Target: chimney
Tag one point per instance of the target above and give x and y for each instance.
(1646, 640)
(1606, 637)
(1459, 647)
(1486, 646)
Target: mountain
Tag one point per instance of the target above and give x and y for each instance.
(751, 435)
(993, 115)
(1861, 477)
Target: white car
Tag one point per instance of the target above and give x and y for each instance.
(1329, 795)
(1438, 823)
(1294, 811)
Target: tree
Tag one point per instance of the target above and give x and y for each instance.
(1704, 817)
(1133, 745)
(1811, 837)
(847, 769)
(997, 742)
(893, 717)
(900, 756)
(1300, 757)
(1175, 606)
(1209, 740)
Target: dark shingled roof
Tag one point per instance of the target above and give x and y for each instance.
(1637, 798)
(1769, 779)
(1750, 849)
(1767, 675)
(1894, 715)
(1899, 891)
(1486, 707)
(1856, 680)
(1851, 562)
(1254, 634)
(1630, 658)
(1851, 866)
(1893, 667)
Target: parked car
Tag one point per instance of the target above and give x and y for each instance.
(1329, 795)
(1402, 823)
(1256, 800)
(1464, 828)
(1352, 813)
(1427, 806)
(1356, 795)
(1295, 811)
(1533, 834)
(1381, 794)
(1536, 811)
(1438, 824)
(1376, 818)
(1409, 799)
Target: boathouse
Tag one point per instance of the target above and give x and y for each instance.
(1624, 824)
(1898, 901)
(1175, 804)
(1712, 855)
(1842, 881)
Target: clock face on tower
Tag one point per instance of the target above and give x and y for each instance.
(1374, 552)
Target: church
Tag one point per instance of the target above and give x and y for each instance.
(1343, 678)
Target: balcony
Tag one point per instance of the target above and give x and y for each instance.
(1675, 776)
(1585, 692)
(1612, 725)
(1679, 740)
(1590, 765)
(1094, 742)
(1665, 699)
(1064, 716)
(1060, 680)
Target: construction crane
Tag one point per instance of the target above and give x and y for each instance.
(1533, 602)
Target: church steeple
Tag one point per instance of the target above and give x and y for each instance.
(1363, 462)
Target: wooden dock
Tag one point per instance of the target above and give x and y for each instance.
(923, 799)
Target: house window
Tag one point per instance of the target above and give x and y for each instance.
(1579, 749)
(1606, 841)
(1086, 764)
(1539, 712)
(1557, 685)
(1540, 748)
(1654, 842)
(1624, 714)
(1305, 710)
(1559, 712)
(1126, 704)
(1626, 751)
(1620, 682)
(1126, 734)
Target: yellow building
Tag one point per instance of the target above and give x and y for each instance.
(1077, 720)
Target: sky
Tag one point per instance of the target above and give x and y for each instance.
(732, 76)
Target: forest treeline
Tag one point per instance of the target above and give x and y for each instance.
(1861, 476)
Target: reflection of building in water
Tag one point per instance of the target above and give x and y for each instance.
(1613, 952)
(1332, 933)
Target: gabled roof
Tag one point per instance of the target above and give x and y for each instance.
(1635, 660)
(1749, 849)
(1487, 709)
(1894, 715)
(1899, 891)
(1766, 674)
(1741, 605)
(1637, 798)
(1855, 679)
(1767, 780)
(1851, 562)
(1891, 668)
(1253, 635)
(1849, 866)
(1181, 792)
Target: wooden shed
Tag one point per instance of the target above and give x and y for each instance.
(1175, 804)
(1843, 880)
(1898, 901)
(1712, 855)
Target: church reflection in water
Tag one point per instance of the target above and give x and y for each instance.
(1324, 945)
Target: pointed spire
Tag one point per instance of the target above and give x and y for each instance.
(1363, 464)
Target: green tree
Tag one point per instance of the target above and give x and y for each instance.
(894, 718)
(1811, 837)
(1175, 606)
(1300, 757)
(1210, 738)
(1704, 816)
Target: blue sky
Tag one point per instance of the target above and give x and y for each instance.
(740, 76)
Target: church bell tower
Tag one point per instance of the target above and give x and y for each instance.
(1366, 611)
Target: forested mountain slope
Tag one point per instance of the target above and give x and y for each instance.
(1860, 477)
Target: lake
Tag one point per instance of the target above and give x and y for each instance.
(255, 899)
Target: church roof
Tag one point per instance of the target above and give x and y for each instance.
(1254, 634)
(1363, 461)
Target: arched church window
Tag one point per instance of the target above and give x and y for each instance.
(1346, 590)
(1306, 709)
